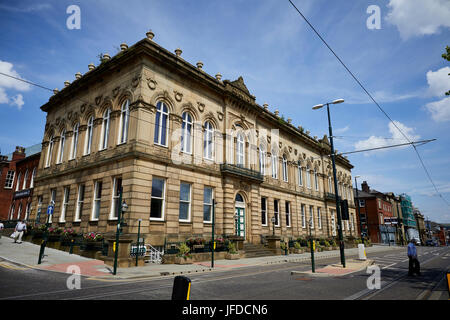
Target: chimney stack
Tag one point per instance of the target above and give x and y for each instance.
(365, 187)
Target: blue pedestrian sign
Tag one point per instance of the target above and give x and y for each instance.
(50, 210)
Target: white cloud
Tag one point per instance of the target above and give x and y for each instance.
(440, 110)
(396, 138)
(342, 130)
(438, 81)
(419, 17)
(12, 84)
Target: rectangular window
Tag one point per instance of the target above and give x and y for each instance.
(117, 186)
(207, 204)
(80, 202)
(330, 185)
(276, 211)
(311, 216)
(303, 216)
(9, 179)
(185, 202)
(316, 180)
(308, 178)
(65, 202)
(300, 176)
(39, 207)
(362, 203)
(97, 200)
(157, 202)
(288, 214)
(264, 211)
(319, 218)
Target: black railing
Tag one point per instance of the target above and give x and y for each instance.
(242, 172)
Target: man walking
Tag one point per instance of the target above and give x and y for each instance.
(414, 266)
(21, 227)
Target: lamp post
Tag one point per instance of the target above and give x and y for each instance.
(212, 232)
(121, 207)
(138, 243)
(359, 211)
(313, 247)
(338, 211)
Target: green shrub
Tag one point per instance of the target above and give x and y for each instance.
(232, 248)
(297, 245)
(183, 251)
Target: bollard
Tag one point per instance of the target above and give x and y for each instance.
(361, 252)
(41, 251)
(181, 288)
(71, 246)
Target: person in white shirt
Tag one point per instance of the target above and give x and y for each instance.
(21, 227)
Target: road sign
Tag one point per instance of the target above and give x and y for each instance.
(50, 210)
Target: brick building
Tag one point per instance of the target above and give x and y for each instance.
(176, 139)
(377, 213)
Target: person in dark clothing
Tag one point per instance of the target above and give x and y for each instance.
(414, 266)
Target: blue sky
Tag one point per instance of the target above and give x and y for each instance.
(282, 62)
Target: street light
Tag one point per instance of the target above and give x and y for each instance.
(122, 207)
(338, 212)
(359, 212)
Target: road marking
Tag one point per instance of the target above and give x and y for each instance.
(389, 266)
(12, 267)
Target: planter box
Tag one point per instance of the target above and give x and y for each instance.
(182, 260)
(232, 256)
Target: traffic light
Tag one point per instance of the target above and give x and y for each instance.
(344, 210)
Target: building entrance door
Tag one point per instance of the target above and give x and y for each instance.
(239, 216)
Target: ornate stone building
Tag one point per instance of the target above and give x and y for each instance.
(175, 138)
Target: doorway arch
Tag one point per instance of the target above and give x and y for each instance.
(239, 216)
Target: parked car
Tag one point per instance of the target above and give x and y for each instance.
(431, 243)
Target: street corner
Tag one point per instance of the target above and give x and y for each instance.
(92, 268)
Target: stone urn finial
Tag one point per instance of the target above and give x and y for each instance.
(218, 76)
(66, 83)
(150, 35)
(289, 120)
(266, 106)
(178, 52)
(78, 75)
(55, 91)
(91, 66)
(123, 46)
(277, 112)
(200, 65)
(106, 56)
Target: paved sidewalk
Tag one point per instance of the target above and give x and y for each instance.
(26, 254)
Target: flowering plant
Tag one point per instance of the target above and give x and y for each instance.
(53, 230)
(68, 232)
(220, 240)
(93, 236)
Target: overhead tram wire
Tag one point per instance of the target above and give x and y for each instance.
(372, 98)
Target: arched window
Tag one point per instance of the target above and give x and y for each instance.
(186, 134)
(105, 129)
(73, 153)
(32, 178)
(285, 169)
(161, 124)
(48, 161)
(19, 211)
(11, 212)
(240, 158)
(124, 120)
(62, 142)
(208, 141)
(330, 185)
(18, 181)
(262, 159)
(239, 198)
(25, 177)
(300, 175)
(88, 141)
(274, 164)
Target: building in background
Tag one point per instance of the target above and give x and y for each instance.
(420, 224)
(16, 182)
(409, 221)
(397, 220)
(377, 215)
